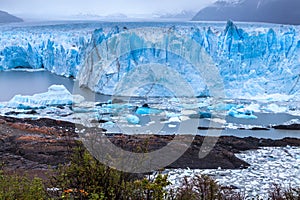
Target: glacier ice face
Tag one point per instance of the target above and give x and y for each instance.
(56, 95)
(252, 60)
(58, 49)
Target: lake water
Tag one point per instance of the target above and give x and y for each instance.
(29, 83)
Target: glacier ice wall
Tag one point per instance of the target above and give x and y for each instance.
(252, 59)
(58, 51)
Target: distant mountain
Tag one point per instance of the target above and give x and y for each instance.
(8, 18)
(183, 15)
(270, 11)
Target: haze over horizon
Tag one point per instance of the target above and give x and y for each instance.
(132, 8)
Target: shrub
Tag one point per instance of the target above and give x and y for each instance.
(21, 187)
(86, 178)
(202, 187)
(278, 193)
(151, 189)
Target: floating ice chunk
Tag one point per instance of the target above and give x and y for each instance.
(107, 125)
(254, 107)
(116, 106)
(171, 114)
(172, 125)
(184, 118)
(205, 115)
(146, 111)
(56, 95)
(222, 107)
(132, 119)
(241, 113)
(275, 108)
(188, 112)
(174, 119)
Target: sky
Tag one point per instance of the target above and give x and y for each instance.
(42, 8)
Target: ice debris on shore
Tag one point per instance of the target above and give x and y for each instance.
(269, 165)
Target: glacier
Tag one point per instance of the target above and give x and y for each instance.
(252, 60)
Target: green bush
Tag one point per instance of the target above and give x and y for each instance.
(86, 178)
(151, 189)
(21, 187)
(200, 187)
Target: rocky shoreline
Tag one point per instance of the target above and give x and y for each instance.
(35, 146)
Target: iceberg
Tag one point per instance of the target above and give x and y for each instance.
(57, 95)
(241, 113)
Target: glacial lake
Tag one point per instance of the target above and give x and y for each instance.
(29, 83)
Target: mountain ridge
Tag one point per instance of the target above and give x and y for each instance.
(268, 11)
(5, 17)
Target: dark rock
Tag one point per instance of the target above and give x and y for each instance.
(60, 107)
(210, 128)
(287, 127)
(96, 121)
(145, 106)
(255, 129)
(34, 145)
(31, 112)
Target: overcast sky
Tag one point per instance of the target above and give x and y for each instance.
(99, 7)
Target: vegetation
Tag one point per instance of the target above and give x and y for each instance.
(284, 194)
(202, 187)
(86, 178)
(21, 187)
